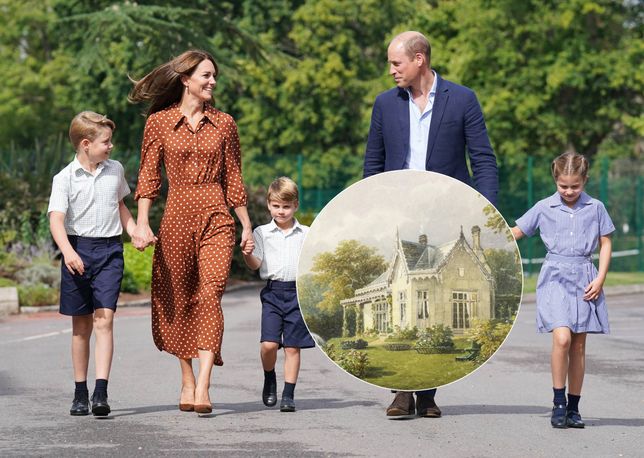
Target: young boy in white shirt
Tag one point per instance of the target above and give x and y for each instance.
(86, 218)
(276, 253)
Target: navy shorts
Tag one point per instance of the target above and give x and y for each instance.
(100, 284)
(281, 318)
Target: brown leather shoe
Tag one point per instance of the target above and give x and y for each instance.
(426, 407)
(403, 406)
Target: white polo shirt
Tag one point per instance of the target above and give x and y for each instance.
(279, 251)
(90, 202)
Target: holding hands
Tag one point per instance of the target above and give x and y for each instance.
(247, 243)
(142, 237)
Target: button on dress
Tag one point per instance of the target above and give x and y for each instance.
(571, 236)
(197, 233)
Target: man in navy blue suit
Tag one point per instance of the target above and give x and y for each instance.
(426, 123)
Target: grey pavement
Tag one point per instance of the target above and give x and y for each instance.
(502, 409)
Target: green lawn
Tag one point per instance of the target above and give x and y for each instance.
(613, 279)
(412, 370)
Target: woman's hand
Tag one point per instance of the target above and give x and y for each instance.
(142, 237)
(247, 243)
(593, 290)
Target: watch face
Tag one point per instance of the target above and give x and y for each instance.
(409, 280)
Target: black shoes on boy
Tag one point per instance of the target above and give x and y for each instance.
(269, 393)
(100, 407)
(80, 405)
(287, 405)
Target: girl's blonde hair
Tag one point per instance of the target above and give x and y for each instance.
(569, 163)
(283, 189)
(88, 124)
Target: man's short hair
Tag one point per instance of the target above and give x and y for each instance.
(283, 189)
(89, 125)
(416, 43)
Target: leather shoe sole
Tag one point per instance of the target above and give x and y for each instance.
(203, 408)
(100, 409)
(287, 405)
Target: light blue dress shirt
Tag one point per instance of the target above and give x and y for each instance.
(419, 130)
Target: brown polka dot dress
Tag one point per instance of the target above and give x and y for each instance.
(197, 234)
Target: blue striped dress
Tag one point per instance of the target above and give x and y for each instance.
(570, 235)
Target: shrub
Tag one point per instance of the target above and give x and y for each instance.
(354, 344)
(397, 346)
(435, 339)
(354, 362)
(137, 274)
(403, 334)
(489, 334)
(37, 295)
(5, 282)
(39, 273)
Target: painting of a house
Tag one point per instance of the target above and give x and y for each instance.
(424, 285)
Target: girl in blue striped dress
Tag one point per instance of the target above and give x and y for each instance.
(570, 300)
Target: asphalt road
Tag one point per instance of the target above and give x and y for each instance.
(502, 409)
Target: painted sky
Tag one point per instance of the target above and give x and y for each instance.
(412, 202)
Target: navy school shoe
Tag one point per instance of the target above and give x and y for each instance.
(269, 393)
(558, 418)
(100, 407)
(287, 405)
(80, 405)
(573, 419)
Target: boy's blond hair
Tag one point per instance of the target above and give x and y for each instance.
(283, 189)
(88, 125)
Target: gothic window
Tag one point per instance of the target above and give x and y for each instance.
(402, 299)
(381, 316)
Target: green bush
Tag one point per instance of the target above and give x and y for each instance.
(403, 334)
(137, 275)
(489, 334)
(354, 362)
(435, 339)
(37, 295)
(354, 344)
(5, 282)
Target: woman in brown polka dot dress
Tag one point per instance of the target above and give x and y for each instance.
(199, 147)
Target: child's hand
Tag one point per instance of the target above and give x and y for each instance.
(593, 290)
(247, 243)
(74, 263)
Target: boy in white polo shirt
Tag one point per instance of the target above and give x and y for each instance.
(276, 253)
(86, 219)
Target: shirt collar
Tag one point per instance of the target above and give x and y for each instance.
(555, 200)
(211, 114)
(432, 91)
(272, 226)
(76, 166)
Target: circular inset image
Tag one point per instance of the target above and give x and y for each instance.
(409, 280)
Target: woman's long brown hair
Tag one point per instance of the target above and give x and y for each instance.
(162, 86)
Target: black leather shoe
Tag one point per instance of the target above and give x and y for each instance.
(558, 418)
(426, 407)
(403, 406)
(269, 393)
(100, 407)
(573, 419)
(287, 405)
(80, 405)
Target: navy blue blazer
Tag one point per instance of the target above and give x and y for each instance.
(457, 122)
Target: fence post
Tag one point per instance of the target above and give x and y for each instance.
(639, 203)
(530, 203)
(603, 181)
(300, 160)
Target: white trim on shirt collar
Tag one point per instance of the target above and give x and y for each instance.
(273, 226)
(76, 165)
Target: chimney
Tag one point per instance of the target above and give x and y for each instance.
(476, 239)
(422, 239)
